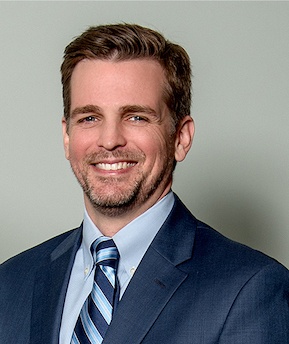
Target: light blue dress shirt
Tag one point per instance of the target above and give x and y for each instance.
(132, 242)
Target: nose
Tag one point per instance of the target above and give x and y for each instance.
(111, 136)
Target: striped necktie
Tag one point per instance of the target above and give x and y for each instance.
(96, 313)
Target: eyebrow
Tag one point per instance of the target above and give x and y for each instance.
(137, 109)
(124, 109)
(85, 109)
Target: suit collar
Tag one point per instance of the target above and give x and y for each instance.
(51, 282)
(157, 278)
(155, 281)
(175, 239)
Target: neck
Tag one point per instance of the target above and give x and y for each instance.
(109, 223)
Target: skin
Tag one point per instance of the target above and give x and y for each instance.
(120, 141)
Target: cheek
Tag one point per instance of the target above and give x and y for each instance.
(158, 148)
(77, 147)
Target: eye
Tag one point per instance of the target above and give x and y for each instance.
(137, 118)
(89, 119)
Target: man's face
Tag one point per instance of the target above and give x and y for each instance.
(120, 141)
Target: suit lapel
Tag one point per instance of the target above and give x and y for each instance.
(49, 293)
(155, 281)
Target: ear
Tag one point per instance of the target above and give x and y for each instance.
(184, 138)
(65, 137)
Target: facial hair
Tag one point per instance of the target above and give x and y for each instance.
(121, 200)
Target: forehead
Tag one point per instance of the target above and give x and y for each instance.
(107, 79)
(136, 63)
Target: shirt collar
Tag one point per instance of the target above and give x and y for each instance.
(89, 235)
(134, 239)
(138, 235)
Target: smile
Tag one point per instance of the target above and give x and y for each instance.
(114, 166)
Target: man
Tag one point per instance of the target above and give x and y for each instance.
(174, 279)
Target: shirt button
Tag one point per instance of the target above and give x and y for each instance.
(86, 271)
(132, 270)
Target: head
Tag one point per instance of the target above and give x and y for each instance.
(121, 42)
(126, 123)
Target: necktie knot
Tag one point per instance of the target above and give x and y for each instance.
(105, 252)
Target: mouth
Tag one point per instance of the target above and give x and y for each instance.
(114, 166)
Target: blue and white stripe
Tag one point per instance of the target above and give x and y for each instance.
(96, 313)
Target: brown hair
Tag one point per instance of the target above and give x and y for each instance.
(128, 41)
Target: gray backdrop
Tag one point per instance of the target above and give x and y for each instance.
(236, 175)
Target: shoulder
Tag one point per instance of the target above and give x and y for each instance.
(211, 243)
(250, 289)
(234, 268)
(217, 255)
(35, 256)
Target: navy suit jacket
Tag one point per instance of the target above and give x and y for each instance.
(193, 286)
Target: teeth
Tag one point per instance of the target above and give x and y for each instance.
(115, 166)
